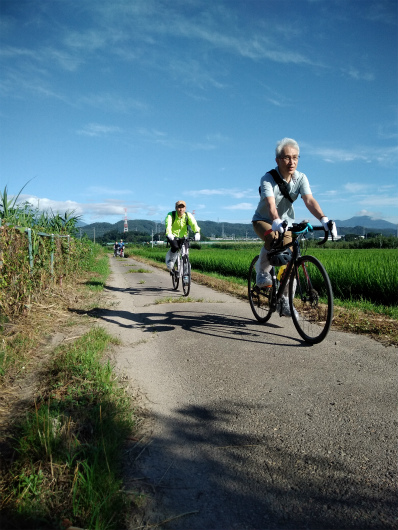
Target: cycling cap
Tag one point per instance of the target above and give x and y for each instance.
(282, 258)
(180, 202)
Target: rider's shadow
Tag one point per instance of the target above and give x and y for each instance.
(137, 291)
(218, 325)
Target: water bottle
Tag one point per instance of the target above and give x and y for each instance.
(281, 272)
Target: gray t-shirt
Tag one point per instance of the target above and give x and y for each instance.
(298, 185)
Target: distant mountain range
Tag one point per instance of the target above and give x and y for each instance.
(367, 222)
(354, 225)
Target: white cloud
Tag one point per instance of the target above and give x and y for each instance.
(355, 187)
(96, 129)
(112, 101)
(226, 192)
(372, 215)
(380, 200)
(356, 74)
(241, 206)
(44, 204)
(88, 41)
(164, 139)
(109, 208)
(365, 154)
(101, 190)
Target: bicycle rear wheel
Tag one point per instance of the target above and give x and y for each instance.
(311, 299)
(259, 299)
(186, 275)
(175, 275)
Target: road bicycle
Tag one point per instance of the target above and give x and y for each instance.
(118, 252)
(182, 266)
(308, 284)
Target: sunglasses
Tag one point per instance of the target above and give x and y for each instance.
(181, 206)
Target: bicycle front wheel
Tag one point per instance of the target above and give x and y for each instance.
(186, 275)
(175, 275)
(311, 299)
(259, 299)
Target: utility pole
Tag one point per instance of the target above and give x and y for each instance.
(126, 228)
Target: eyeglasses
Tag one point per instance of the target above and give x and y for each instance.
(181, 206)
(288, 158)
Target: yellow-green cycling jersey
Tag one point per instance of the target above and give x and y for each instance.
(179, 227)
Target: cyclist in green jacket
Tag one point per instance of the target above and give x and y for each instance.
(177, 227)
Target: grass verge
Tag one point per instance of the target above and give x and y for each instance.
(68, 447)
(62, 451)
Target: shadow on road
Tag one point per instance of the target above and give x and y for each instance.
(235, 480)
(218, 325)
(137, 290)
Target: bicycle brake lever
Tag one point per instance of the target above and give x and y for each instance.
(330, 226)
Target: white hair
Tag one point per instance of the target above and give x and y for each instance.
(280, 146)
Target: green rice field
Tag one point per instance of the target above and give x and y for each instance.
(356, 275)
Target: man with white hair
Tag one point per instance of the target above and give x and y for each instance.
(279, 188)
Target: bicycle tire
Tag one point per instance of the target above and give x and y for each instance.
(311, 299)
(186, 275)
(175, 275)
(259, 299)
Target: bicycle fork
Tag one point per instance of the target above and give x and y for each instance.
(304, 289)
(179, 261)
(183, 264)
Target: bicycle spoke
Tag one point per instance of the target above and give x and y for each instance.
(175, 275)
(186, 278)
(259, 299)
(311, 299)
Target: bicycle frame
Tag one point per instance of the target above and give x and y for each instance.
(183, 251)
(302, 229)
(182, 267)
(288, 271)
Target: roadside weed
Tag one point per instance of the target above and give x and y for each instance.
(69, 447)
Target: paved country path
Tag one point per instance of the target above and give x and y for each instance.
(250, 427)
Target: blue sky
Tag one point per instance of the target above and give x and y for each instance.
(113, 104)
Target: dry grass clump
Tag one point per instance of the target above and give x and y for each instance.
(379, 327)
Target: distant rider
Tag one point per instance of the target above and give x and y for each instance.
(115, 248)
(121, 246)
(177, 227)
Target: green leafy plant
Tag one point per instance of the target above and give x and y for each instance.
(8, 207)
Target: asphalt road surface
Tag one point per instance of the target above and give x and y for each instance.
(248, 426)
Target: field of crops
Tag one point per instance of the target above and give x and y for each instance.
(370, 274)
